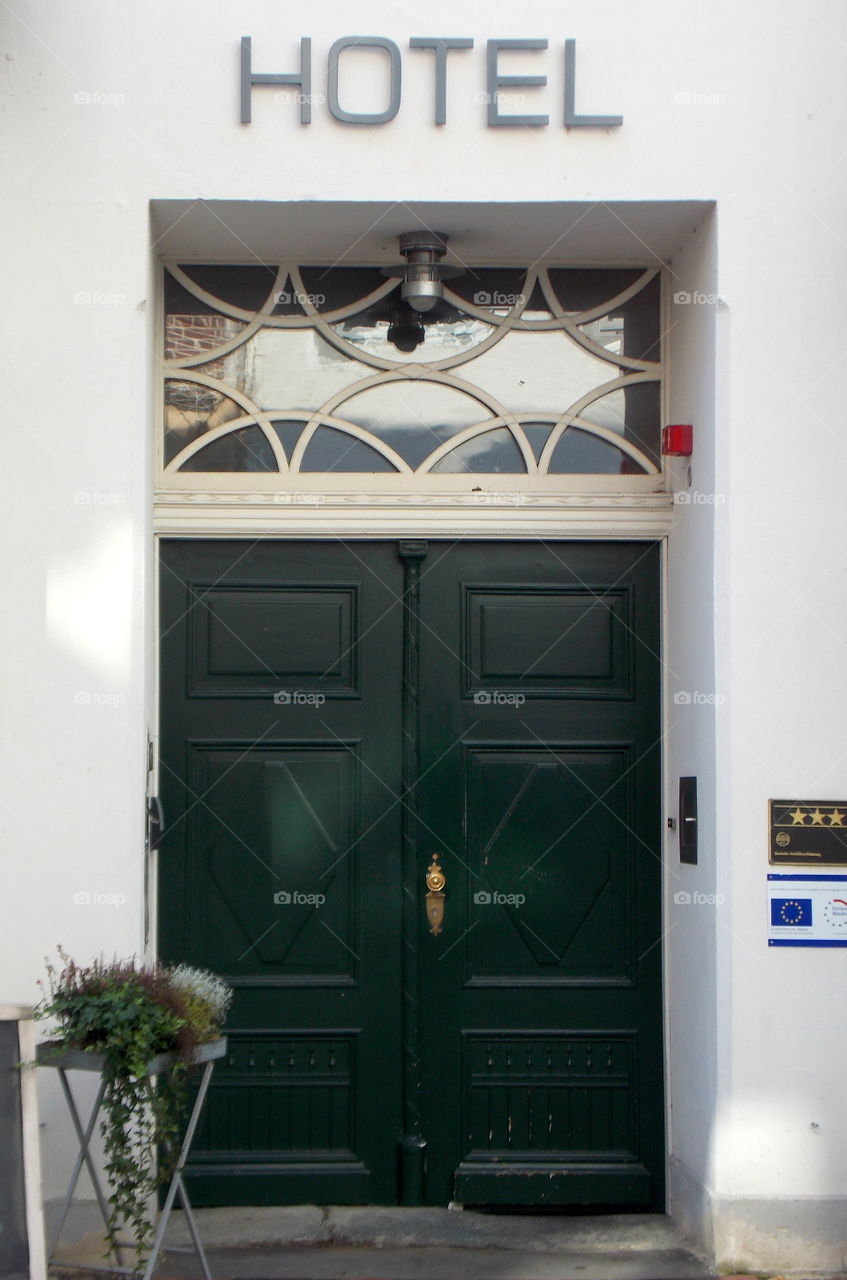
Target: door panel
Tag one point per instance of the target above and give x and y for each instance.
(279, 773)
(541, 1027)
(299, 682)
(550, 871)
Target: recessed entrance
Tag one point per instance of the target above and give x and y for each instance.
(333, 715)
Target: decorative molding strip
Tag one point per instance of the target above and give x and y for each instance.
(416, 515)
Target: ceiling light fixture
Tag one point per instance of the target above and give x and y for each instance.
(423, 271)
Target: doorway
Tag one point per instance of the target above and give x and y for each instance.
(338, 718)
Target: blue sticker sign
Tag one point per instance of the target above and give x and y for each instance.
(807, 911)
(791, 911)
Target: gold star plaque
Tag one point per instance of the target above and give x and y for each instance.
(808, 832)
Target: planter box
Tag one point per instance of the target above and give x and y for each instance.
(53, 1055)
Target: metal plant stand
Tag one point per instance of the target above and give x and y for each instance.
(80, 1060)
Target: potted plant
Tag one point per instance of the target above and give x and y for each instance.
(129, 1014)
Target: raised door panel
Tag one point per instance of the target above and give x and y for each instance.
(549, 865)
(547, 642)
(274, 881)
(267, 640)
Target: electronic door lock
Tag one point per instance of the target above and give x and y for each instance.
(688, 820)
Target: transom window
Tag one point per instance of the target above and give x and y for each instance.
(278, 372)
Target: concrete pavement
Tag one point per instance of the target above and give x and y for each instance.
(312, 1243)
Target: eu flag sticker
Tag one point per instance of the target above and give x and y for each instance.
(791, 911)
(807, 910)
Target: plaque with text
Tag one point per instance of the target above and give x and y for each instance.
(807, 911)
(808, 831)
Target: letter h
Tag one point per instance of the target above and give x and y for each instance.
(303, 79)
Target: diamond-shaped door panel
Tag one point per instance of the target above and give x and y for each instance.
(275, 828)
(550, 856)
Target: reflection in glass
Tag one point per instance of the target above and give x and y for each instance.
(413, 417)
(244, 450)
(243, 287)
(492, 452)
(330, 450)
(189, 336)
(642, 413)
(586, 288)
(537, 433)
(536, 372)
(281, 368)
(288, 369)
(495, 287)
(446, 332)
(632, 329)
(579, 453)
(609, 411)
(606, 332)
(334, 288)
(190, 411)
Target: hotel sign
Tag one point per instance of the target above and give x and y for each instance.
(808, 831)
(502, 87)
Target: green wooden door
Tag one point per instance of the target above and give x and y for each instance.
(332, 716)
(280, 676)
(540, 998)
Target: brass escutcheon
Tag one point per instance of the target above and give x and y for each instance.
(436, 882)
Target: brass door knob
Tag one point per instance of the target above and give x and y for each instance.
(435, 877)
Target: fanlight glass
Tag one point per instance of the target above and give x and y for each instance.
(285, 369)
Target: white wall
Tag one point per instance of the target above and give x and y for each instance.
(740, 104)
(695, 896)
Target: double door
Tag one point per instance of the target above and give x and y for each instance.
(339, 720)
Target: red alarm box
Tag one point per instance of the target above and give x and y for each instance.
(678, 440)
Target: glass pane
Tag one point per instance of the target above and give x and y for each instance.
(188, 334)
(584, 288)
(537, 433)
(191, 410)
(287, 369)
(331, 288)
(289, 434)
(642, 417)
(245, 286)
(632, 412)
(393, 331)
(642, 323)
(493, 452)
(579, 453)
(609, 411)
(244, 450)
(537, 372)
(606, 332)
(495, 287)
(330, 450)
(413, 417)
(632, 329)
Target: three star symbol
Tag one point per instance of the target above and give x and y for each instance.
(798, 818)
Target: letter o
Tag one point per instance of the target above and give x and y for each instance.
(363, 117)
